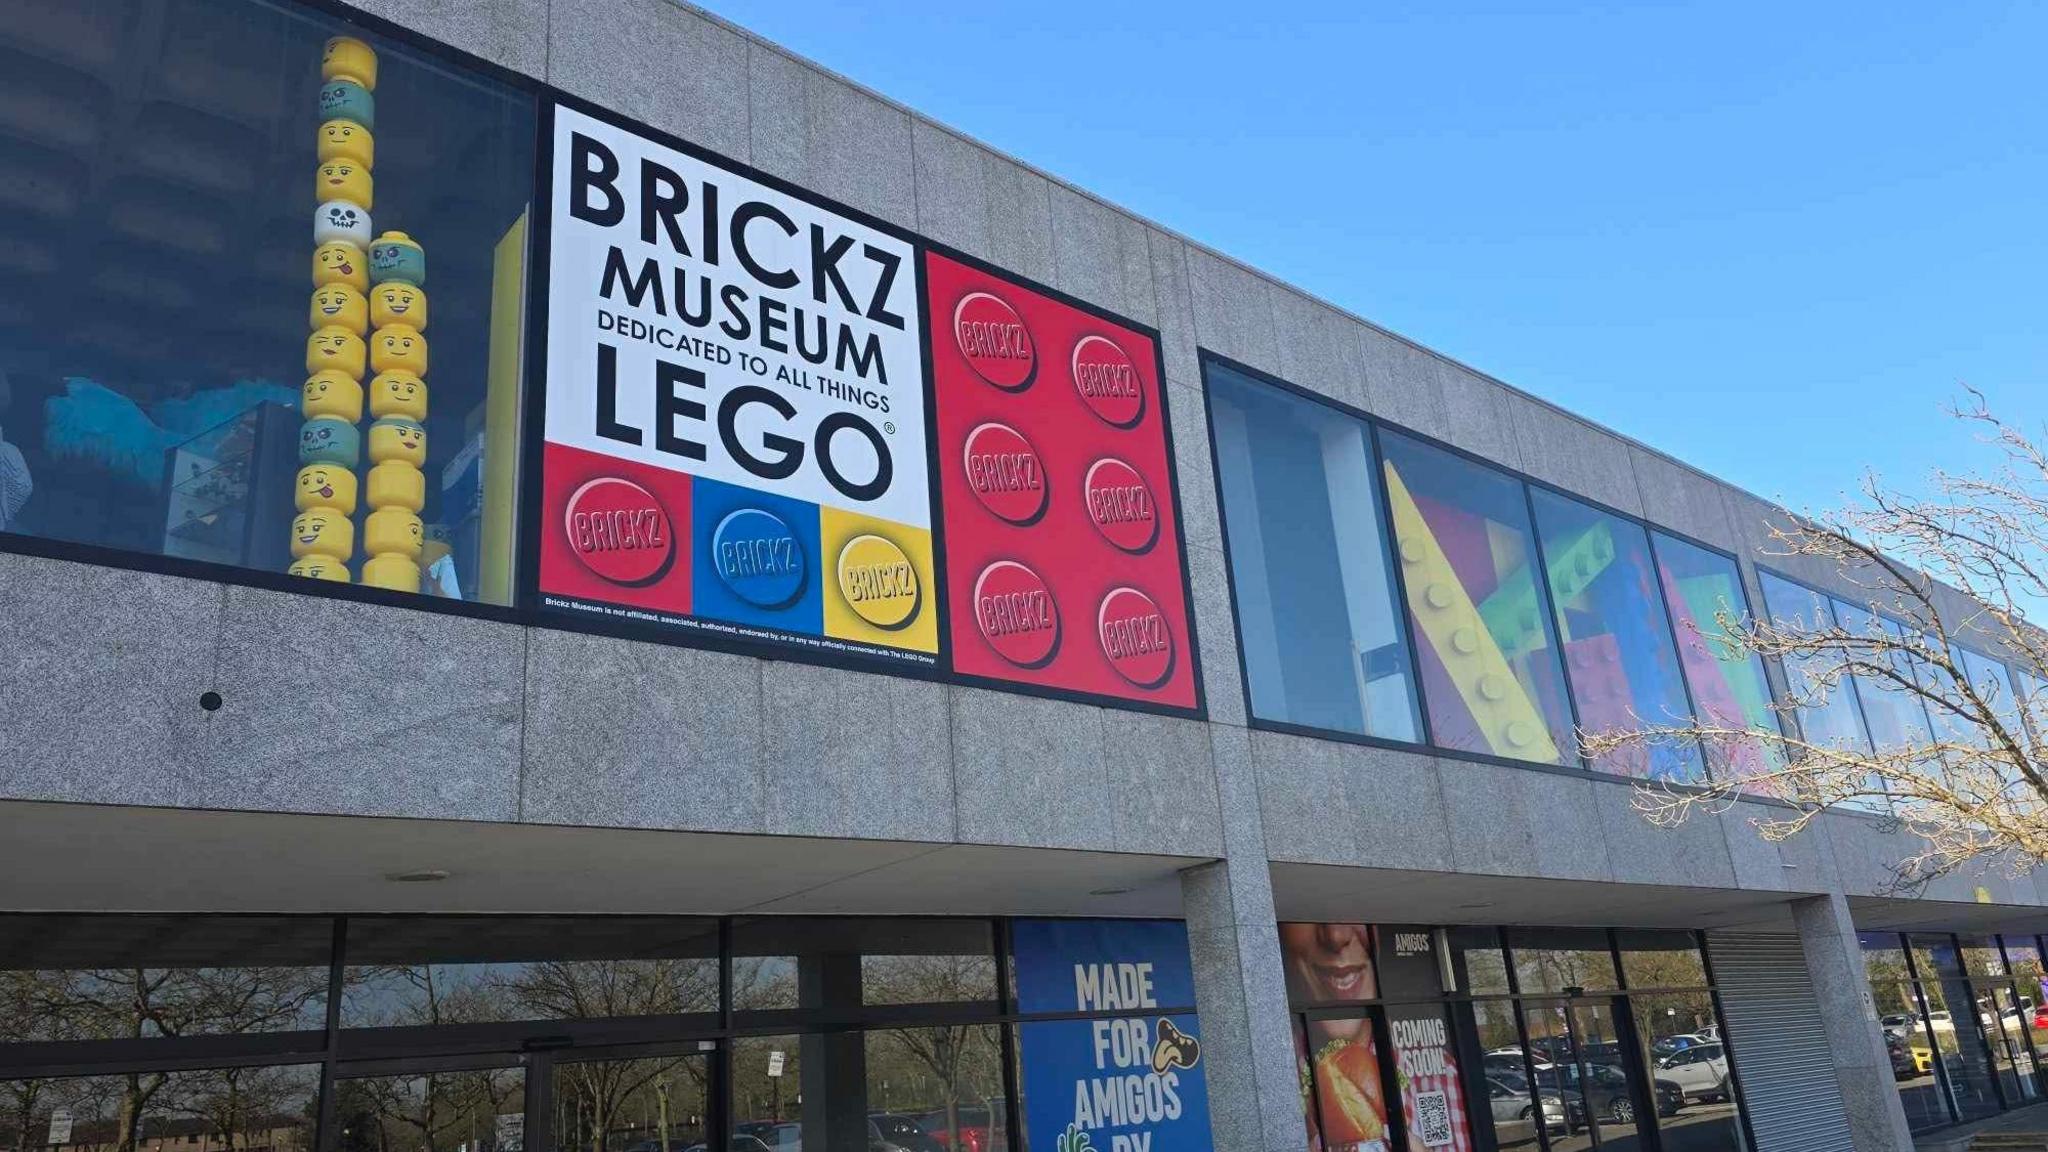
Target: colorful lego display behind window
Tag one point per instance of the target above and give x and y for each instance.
(1703, 591)
(283, 177)
(1490, 672)
(1618, 651)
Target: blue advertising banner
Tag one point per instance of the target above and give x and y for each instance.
(1125, 1084)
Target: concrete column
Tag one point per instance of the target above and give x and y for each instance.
(1240, 989)
(1870, 1097)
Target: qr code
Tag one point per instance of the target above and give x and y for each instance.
(1433, 1118)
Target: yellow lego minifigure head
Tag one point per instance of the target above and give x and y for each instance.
(329, 393)
(327, 486)
(396, 302)
(397, 438)
(318, 567)
(399, 348)
(393, 571)
(322, 532)
(347, 140)
(340, 262)
(339, 305)
(393, 529)
(344, 180)
(335, 348)
(396, 484)
(350, 57)
(398, 394)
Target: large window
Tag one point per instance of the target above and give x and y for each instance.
(1537, 1045)
(1729, 689)
(1618, 649)
(208, 350)
(1490, 672)
(1322, 638)
(590, 1033)
(1961, 1019)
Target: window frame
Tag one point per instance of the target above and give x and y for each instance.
(1574, 767)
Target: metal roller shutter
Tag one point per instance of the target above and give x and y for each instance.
(1782, 1060)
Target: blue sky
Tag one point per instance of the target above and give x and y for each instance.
(1771, 240)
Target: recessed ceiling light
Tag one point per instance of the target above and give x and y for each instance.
(1109, 891)
(418, 876)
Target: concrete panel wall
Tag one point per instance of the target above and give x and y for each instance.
(498, 722)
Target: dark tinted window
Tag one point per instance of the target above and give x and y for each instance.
(184, 370)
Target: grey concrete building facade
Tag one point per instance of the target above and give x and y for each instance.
(539, 769)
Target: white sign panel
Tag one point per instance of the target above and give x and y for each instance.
(60, 1126)
(702, 322)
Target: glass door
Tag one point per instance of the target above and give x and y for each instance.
(2009, 1026)
(1577, 1053)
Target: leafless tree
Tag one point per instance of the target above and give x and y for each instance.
(1956, 757)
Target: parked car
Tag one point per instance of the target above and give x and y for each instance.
(1672, 1045)
(1701, 1071)
(1605, 1089)
(738, 1142)
(904, 1131)
(1512, 1101)
(1907, 1060)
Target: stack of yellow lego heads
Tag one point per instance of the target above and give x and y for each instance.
(397, 486)
(337, 355)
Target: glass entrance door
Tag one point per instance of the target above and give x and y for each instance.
(1577, 1052)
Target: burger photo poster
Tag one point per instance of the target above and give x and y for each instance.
(734, 424)
(1063, 549)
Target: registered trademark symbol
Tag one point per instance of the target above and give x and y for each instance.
(889, 427)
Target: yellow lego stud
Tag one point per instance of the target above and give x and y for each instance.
(330, 393)
(344, 180)
(396, 484)
(397, 438)
(341, 306)
(398, 348)
(325, 486)
(320, 568)
(398, 573)
(346, 56)
(396, 302)
(398, 394)
(336, 349)
(347, 140)
(341, 262)
(322, 532)
(390, 530)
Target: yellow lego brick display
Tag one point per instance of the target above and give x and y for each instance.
(393, 530)
(339, 306)
(396, 302)
(335, 348)
(396, 484)
(347, 140)
(320, 568)
(344, 180)
(398, 573)
(326, 486)
(398, 348)
(396, 438)
(1452, 626)
(329, 392)
(340, 262)
(346, 56)
(398, 394)
(323, 532)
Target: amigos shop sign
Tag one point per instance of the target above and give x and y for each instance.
(774, 424)
(1130, 1079)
